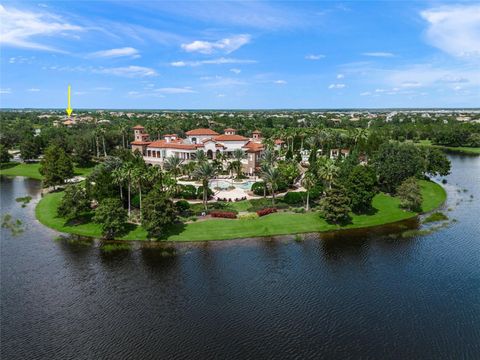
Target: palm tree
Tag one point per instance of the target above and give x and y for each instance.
(200, 156)
(271, 176)
(124, 128)
(172, 164)
(308, 182)
(101, 131)
(127, 170)
(119, 179)
(327, 171)
(269, 157)
(138, 178)
(205, 172)
(236, 164)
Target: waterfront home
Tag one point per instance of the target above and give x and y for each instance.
(212, 143)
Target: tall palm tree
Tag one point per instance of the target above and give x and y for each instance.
(308, 182)
(205, 172)
(271, 176)
(119, 179)
(124, 128)
(127, 170)
(327, 171)
(138, 179)
(172, 164)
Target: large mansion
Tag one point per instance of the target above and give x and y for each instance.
(211, 142)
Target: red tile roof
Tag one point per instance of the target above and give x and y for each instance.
(139, 127)
(253, 146)
(279, 142)
(256, 132)
(229, 129)
(140, 142)
(174, 144)
(201, 132)
(230, 138)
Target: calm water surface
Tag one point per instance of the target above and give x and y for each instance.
(355, 295)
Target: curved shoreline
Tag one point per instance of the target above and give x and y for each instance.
(282, 223)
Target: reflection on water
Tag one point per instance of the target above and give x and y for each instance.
(366, 293)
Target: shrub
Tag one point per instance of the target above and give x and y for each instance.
(294, 198)
(266, 211)
(182, 206)
(258, 188)
(188, 192)
(249, 216)
(223, 214)
(200, 192)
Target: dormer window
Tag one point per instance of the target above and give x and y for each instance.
(230, 131)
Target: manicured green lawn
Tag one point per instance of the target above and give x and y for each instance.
(31, 170)
(275, 224)
(467, 150)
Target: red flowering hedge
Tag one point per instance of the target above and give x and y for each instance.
(266, 211)
(223, 214)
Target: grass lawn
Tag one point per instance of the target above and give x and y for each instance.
(31, 170)
(460, 149)
(275, 224)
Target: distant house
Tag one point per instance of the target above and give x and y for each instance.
(212, 143)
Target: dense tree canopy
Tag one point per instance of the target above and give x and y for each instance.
(158, 213)
(56, 166)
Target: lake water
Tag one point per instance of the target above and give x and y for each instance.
(360, 294)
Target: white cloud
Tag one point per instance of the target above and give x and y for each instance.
(5, 91)
(314, 57)
(340, 76)
(20, 27)
(236, 71)
(280, 82)
(33, 90)
(378, 54)
(336, 86)
(366, 93)
(174, 90)
(411, 84)
(226, 45)
(219, 61)
(454, 29)
(128, 71)
(120, 52)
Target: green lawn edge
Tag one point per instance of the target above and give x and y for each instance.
(388, 211)
(459, 149)
(31, 170)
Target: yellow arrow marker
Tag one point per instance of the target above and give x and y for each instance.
(69, 108)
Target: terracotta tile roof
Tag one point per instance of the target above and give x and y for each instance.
(253, 146)
(229, 129)
(256, 132)
(140, 142)
(279, 142)
(174, 144)
(139, 127)
(201, 132)
(230, 138)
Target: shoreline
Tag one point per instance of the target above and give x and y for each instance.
(279, 224)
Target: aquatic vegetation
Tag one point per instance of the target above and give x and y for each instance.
(438, 216)
(24, 200)
(298, 238)
(108, 248)
(15, 226)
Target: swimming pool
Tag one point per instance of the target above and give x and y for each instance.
(225, 184)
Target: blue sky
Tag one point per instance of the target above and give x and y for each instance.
(205, 55)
